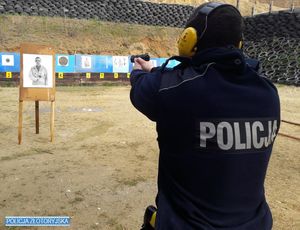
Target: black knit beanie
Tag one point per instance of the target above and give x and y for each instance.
(224, 27)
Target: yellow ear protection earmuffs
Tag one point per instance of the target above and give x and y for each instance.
(187, 42)
(188, 39)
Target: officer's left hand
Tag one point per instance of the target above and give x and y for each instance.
(141, 64)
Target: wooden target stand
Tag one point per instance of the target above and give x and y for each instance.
(30, 91)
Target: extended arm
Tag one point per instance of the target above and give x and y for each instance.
(145, 86)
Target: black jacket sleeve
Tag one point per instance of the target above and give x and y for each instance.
(144, 91)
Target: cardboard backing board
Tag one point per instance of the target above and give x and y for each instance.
(37, 73)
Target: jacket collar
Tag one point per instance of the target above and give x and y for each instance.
(225, 59)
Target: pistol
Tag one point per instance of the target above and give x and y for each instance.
(145, 57)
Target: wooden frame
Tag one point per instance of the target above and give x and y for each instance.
(37, 92)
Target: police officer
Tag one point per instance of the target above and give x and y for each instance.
(217, 119)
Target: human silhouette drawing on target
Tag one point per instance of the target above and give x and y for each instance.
(38, 73)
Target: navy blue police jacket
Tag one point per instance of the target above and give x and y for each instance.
(216, 120)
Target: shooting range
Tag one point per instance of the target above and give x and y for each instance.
(99, 166)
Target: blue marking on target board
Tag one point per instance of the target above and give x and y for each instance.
(103, 64)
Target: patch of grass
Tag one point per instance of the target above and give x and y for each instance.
(16, 195)
(134, 145)
(7, 158)
(94, 226)
(39, 150)
(33, 151)
(8, 83)
(132, 181)
(112, 221)
(141, 157)
(279, 85)
(78, 193)
(76, 200)
(2, 205)
(114, 83)
(120, 227)
(54, 213)
(3, 175)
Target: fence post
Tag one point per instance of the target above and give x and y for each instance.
(238, 4)
(253, 11)
(292, 6)
(270, 6)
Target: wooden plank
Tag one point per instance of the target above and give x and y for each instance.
(20, 122)
(52, 121)
(37, 117)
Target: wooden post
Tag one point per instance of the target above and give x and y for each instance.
(238, 4)
(37, 117)
(52, 121)
(20, 122)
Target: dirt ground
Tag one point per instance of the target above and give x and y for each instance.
(101, 169)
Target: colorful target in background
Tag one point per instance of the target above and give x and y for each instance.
(9, 62)
(120, 64)
(64, 63)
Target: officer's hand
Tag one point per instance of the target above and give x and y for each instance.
(139, 63)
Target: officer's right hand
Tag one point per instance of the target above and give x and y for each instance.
(141, 64)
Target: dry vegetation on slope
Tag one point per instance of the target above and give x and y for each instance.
(87, 36)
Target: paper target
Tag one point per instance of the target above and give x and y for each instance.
(7, 60)
(63, 61)
(86, 62)
(120, 64)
